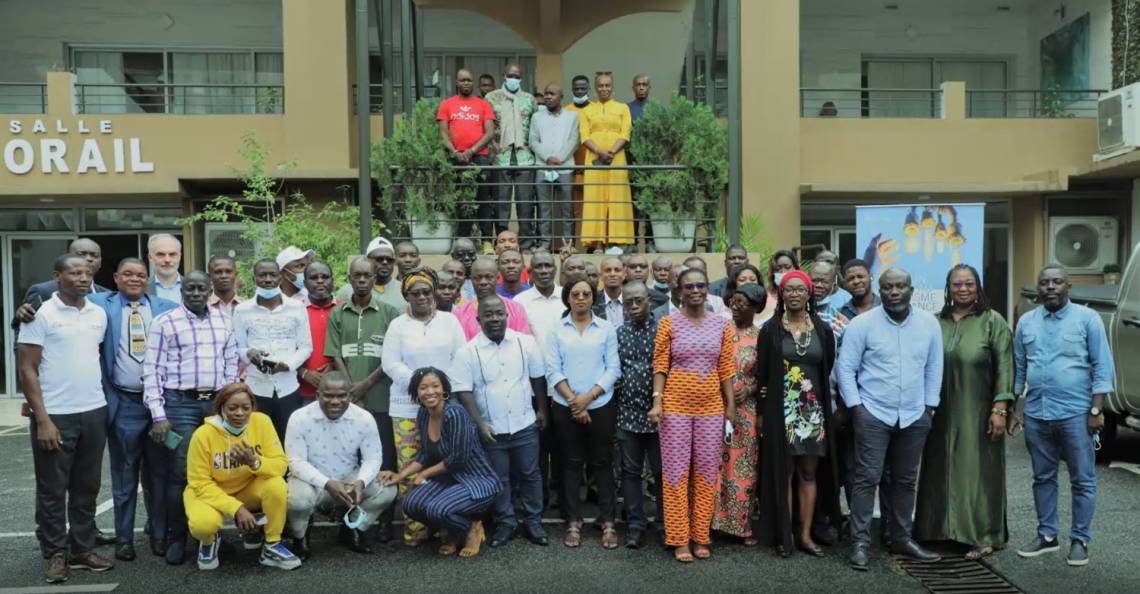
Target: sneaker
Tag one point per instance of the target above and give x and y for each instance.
(208, 554)
(253, 540)
(1078, 554)
(1039, 546)
(91, 561)
(276, 555)
(55, 569)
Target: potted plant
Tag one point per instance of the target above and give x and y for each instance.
(419, 184)
(1112, 274)
(687, 134)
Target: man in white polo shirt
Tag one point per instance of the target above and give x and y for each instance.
(59, 372)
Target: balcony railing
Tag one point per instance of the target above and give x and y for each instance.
(23, 97)
(871, 103)
(499, 201)
(207, 99)
(1032, 103)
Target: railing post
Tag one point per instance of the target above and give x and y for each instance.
(953, 100)
(60, 94)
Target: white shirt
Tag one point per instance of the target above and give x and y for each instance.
(283, 333)
(410, 344)
(498, 375)
(615, 315)
(542, 312)
(70, 378)
(320, 449)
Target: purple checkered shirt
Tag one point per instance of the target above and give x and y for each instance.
(185, 352)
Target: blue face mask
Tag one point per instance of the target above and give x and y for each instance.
(354, 523)
(661, 286)
(779, 276)
(269, 293)
(512, 84)
(299, 282)
(235, 431)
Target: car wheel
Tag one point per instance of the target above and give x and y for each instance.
(1107, 438)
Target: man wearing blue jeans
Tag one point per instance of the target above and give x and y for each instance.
(890, 375)
(1061, 355)
(499, 378)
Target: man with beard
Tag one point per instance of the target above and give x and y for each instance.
(318, 283)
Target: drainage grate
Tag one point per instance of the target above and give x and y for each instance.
(958, 575)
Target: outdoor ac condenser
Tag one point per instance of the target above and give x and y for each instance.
(1083, 245)
(1118, 122)
(227, 239)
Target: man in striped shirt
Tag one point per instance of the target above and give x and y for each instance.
(191, 354)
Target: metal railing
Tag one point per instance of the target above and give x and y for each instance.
(171, 98)
(376, 96)
(23, 97)
(1032, 103)
(583, 217)
(871, 103)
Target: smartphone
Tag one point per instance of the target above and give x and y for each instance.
(172, 440)
(35, 301)
(267, 365)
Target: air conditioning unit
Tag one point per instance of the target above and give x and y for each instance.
(1118, 122)
(228, 239)
(1083, 245)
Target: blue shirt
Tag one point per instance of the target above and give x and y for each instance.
(503, 292)
(635, 109)
(174, 293)
(1064, 358)
(583, 360)
(848, 310)
(837, 299)
(894, 370)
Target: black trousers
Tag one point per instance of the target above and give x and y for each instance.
(486, 213)
(635, 449)
(67, 482)
(279, 409)
(878, 447)
(580, 444)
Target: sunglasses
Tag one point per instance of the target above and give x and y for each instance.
(695, 286)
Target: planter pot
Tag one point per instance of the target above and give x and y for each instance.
(429, 240)
(674, 236)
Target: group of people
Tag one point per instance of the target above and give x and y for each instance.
(483, 393)
(509, 128)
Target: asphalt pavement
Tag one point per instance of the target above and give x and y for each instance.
(523, 567)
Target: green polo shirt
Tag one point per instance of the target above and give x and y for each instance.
(358, 338)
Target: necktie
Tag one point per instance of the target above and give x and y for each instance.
(137, 333)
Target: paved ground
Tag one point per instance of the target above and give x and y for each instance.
(521, 566)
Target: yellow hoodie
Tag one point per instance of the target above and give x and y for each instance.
(213, 477)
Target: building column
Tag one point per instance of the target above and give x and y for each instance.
(770, 118)
(1028, 227)
(548, 69)
(315, 35)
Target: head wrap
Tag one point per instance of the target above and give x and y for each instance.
(797, 274)
(417, 275)
(753, 293)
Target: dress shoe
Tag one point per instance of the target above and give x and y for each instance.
(633, 538)
(176, 552)
(354, 540)
(384, 531)
(103, 539)
(158, 547)
(812, 549)
(55, 569)
(90, 561)
(536, 535)
(911, 550)
(501, 537)
(301, 548)
(858, 558)
(125, 552)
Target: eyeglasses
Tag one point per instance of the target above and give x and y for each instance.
(795, 291)
(695, 286)
(964, 285)
(639, 266)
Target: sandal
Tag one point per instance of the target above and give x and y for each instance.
(750, 542)
(446, 545)
(609, 538)
(475, 533)
(682, 554)
(701, 551)
(979, 553)
(573, 536)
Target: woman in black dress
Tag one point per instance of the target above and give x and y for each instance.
(796, 351)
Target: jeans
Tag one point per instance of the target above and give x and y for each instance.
(1048, 443)
(878, 445)
(67, 482)
(591, 443)
(485, 210)
(168, 471)
(280, 408)
(127, 445)
(634, 448)
(514, 457)
(555, 206)
(522, 182)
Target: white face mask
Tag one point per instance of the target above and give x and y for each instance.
(581, 100)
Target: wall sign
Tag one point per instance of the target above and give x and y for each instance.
(62, 149)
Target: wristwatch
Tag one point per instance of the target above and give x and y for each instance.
(1095, 412)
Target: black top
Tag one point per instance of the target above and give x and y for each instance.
(432, 455)
(635, 397)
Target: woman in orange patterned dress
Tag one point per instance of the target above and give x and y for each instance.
(741, 454)
(692, 403)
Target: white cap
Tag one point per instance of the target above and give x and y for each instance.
(292, 254)
(378, 242)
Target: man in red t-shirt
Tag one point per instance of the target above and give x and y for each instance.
(467, 125)
(318, 282)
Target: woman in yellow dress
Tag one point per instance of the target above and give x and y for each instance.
(607, 208)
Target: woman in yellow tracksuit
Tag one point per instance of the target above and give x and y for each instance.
(235, 466)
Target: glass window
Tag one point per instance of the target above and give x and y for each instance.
(106, 219)
(120, 82)
(37, 220)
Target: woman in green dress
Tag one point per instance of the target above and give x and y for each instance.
(961, 490)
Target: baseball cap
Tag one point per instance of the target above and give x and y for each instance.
(378, 242)
(292, 254)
